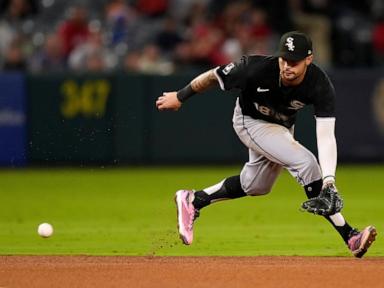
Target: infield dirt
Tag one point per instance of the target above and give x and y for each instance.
(125, 271)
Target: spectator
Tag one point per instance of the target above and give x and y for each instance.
(7, 34)
(206, 42)
(122, 22)
(85, 54)
(95, 62)
(247, 30)
(14, 16)
(168, 38)
(16, 10)
(261, 33)
(352, 28)
(280, 17)
(14, 59)
(310, 16)
(378, 41)
(74, 31)
(191, 33)
(205, 38)
(152, 8)
(183, 57)
(51, 57)
(132, 61)
(180, 9)
(234, 14)
(151, 62)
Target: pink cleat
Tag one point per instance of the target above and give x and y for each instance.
(360, 241)
(186, 214)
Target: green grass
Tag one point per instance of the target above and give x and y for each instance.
(131, 212)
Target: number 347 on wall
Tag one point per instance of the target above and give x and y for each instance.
(87, 99)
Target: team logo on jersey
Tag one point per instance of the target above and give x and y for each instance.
(296, 105)
(228, 68)
(289, 44)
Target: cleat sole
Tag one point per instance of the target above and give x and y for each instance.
(178, 204)
(366, 242)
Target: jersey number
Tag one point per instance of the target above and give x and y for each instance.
(270, 112)
(263, 109)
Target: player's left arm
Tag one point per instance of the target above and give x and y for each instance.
(327, 147)
(329, 202)
(324, 103)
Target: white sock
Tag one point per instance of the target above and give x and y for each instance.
(337, 219)
(212, 189)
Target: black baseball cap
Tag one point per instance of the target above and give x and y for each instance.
(295, 46)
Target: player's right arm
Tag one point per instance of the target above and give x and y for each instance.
(173, 100)
(232, 75)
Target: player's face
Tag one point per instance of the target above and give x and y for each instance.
(291, 71)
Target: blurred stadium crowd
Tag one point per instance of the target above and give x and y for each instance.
(166, 36)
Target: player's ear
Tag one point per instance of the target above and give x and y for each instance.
(308, 59)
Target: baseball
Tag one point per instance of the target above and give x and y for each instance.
(45, 230)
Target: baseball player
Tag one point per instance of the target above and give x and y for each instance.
(272, 90)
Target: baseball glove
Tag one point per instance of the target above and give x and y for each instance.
(327, 203)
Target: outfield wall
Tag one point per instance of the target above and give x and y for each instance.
(12, 120)
(112, 119)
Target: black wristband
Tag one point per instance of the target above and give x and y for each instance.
(185, 93)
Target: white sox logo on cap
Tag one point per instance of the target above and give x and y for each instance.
(289, 44)
(294, 46)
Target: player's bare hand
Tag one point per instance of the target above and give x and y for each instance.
(168, 101)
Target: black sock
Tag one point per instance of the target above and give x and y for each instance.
(344, 231)
(231, 189)
(313, 190)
